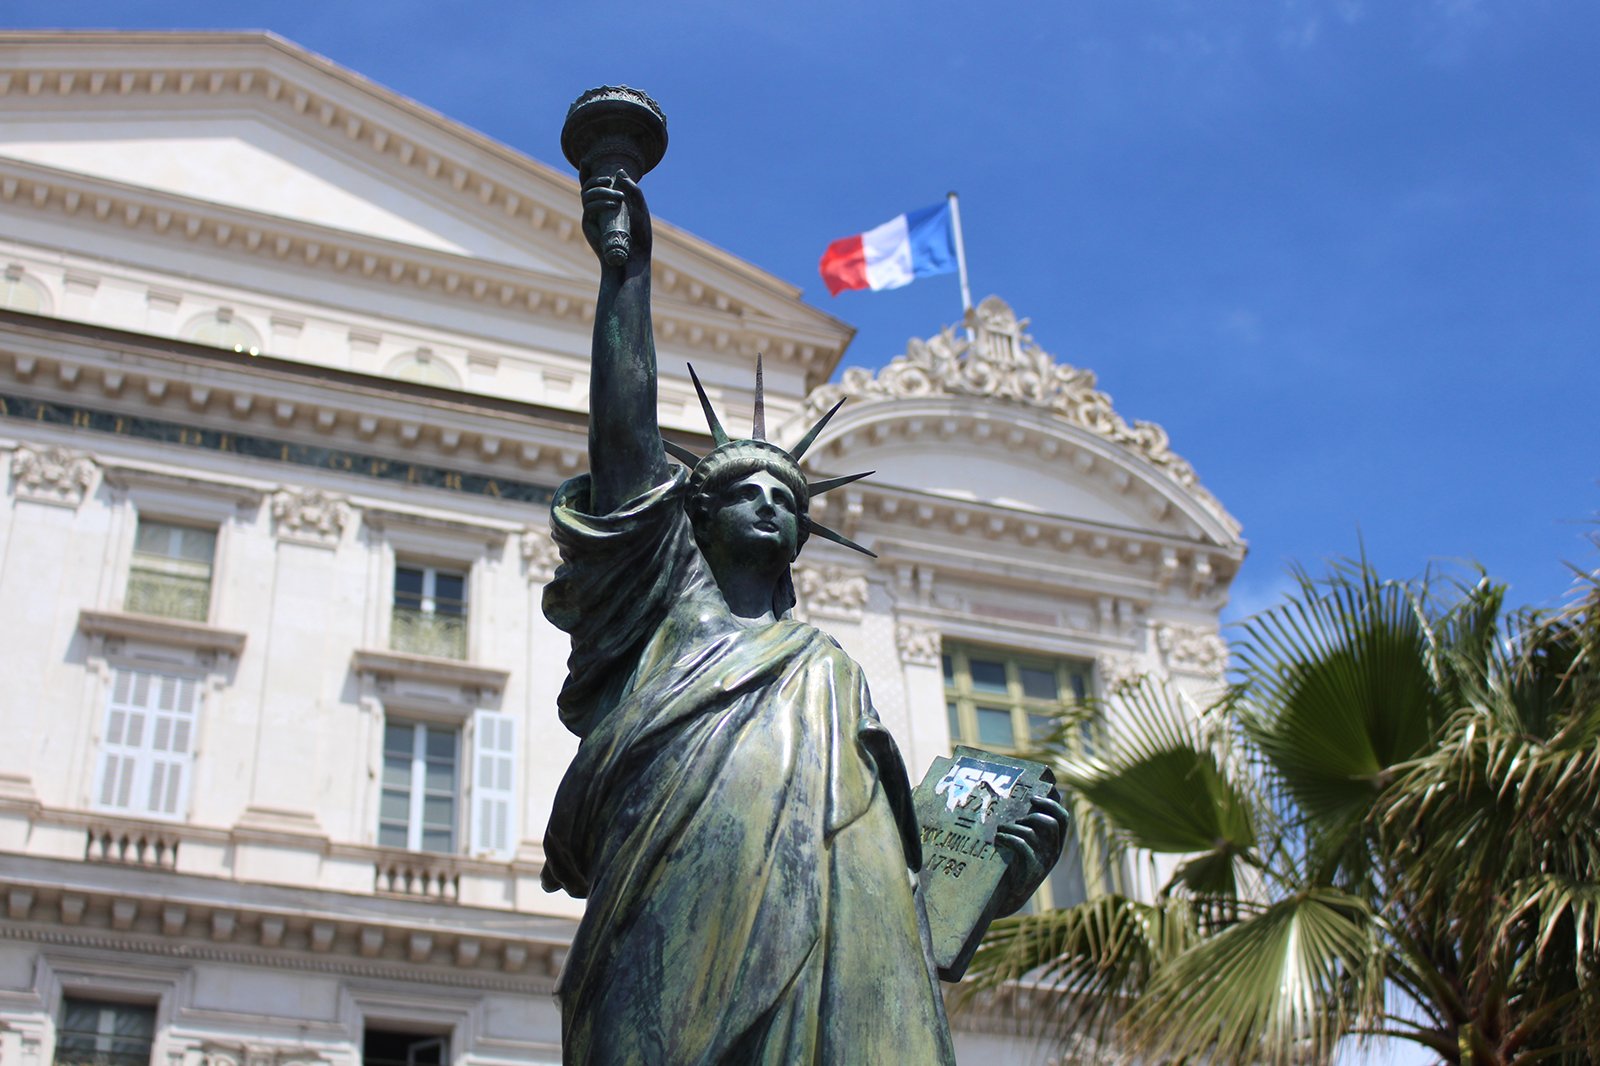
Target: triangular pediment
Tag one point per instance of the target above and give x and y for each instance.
(215, 138)
(256, 163)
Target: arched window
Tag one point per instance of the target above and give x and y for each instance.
(424, 368)
(224, 329)
(18, 292)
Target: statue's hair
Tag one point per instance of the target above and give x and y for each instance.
(737, 460)
(732, 460)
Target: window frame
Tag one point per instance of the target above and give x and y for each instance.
(144, 756)
(103, 1057)
(428, 603)
(16, 277)
(1071, 676)
(417, 792)
(245, 337)
(423, 366)
(1074, 687)
(174, 526)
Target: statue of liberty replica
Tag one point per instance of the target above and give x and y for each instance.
(738, 820)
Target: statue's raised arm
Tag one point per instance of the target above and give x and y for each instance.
(614, 135)
(625, 454)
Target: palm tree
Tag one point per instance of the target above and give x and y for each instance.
(1389, 827)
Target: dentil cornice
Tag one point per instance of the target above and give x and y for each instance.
(704, 292)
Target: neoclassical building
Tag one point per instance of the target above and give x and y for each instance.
(289, 369)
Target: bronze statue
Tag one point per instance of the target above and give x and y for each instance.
(737, 818)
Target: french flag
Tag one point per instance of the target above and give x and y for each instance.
(914, 245)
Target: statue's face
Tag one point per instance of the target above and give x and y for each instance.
(755, 518)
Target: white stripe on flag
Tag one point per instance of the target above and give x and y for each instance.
(888, 254)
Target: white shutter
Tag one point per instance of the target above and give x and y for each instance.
(494, 777)
(148, 744)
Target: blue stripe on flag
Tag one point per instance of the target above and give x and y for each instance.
(933, 244)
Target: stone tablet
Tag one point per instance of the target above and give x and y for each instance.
(960, 804)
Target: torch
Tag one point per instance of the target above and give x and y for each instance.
(609, 131)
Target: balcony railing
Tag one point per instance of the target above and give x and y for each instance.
(418, 876)
(137, 846)
(424, 633)
(168, 595)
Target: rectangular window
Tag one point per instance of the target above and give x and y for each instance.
(98, 1033)
(170, 573)
(1005, 702)
(430, 612)
(388, 1047)
(147, 748)
(417, 808)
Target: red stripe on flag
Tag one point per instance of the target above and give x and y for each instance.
(844, 265)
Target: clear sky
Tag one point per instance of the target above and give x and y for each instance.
(1345, 251)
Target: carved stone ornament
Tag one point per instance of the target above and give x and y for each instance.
(310, 516)
(920, 645)
(831, 591)
(1191, 650)
(1118, 673)
(540, 555)
(51, 475)
(1002, 362)
(218, 1054)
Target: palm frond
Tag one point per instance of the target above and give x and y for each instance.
(1094, 958)
(1270, 989)
(1342, 686)
(1165, 790)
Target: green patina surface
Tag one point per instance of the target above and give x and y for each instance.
(960, 804)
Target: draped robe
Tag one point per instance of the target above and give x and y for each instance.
(737, 818)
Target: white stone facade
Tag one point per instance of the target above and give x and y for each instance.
(340, 344)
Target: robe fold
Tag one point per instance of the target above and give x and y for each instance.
(737, 818)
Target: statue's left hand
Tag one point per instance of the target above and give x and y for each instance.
(1032, 844)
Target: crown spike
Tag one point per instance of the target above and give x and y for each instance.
(680, 453)
(811, 434)
(758, 421)
(838, 538)
(817, 488)
(719, 436)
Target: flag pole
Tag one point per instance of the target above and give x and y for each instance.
(961, 257)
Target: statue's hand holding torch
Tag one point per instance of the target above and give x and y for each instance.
(616, 220)
(614, 135)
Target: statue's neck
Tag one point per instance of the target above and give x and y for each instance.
(750, 592)
(749, 596)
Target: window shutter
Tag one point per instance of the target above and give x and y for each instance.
(148, 744)
(494, 776)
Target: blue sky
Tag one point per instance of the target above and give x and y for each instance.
(1346, 251)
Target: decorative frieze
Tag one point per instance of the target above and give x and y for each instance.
(919, 644)
(251, 446)
(832, 591)
(52, 475)
(1117, 673)
(998, 360)
(540, 555)
(310, 516)
(155, 216)
(1190, 650)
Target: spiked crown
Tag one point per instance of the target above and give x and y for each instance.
(733, 458)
